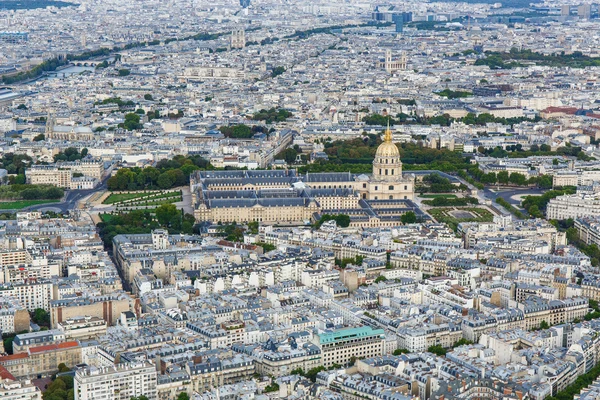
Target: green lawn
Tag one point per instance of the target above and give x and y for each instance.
(106, 217)
(118, 197)
(435, 196)
(136, 197)
(18, 204)
(443, 215)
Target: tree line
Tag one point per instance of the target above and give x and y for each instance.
(166, 174)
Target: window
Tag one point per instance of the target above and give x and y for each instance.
(391, 187)
(386, 171)
(405, 187)
(376, 187)
(405, 197)
(364, 185)
(391, 197)
(379, 171)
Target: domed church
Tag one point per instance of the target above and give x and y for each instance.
(387, 181)
(283, 196)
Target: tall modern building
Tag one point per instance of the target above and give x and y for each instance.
(245, 3)
(584, 11)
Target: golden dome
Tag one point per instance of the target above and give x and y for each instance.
(387, 148)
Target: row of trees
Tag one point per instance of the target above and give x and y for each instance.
(513, 178)
(71, 154)
(272, 115)
(454, 94)
(517, 151)
(435, 183)
(242, 131)
(166, 174)
(20, 191)
(342, 220)
(443, 120)
(507, 60)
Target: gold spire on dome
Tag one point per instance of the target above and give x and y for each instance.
(387, 148)
(388, 133)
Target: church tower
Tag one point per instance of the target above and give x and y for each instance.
(49, 132)
(387, 166)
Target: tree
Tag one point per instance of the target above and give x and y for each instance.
(253, 227)
(41, 317)
(165, 181)
(312, 373)
(342, 220)
(132, 122)
(502, 177)
(277, 71)
(62, 367)
(8, 345)
(39, 138)
(535, 211)
(22, 107)
(124, 72)
(148, 97)
(408, 218)
(544, 325)
(437, 350)
(240, 131)
(398, 352)
(289, 155)
(380, 278)
(183, 396)
(167, 214)
(462, 342)
(273, 387)
(572, 235)
(517, 179)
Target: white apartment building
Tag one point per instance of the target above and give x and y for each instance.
(11, 389)
(117, 382)
(31, 294)
(573, 206)
(575, 178)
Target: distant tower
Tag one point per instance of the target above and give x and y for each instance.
(83, 41)
(388, 60)
(49, 126)
(245, 3)
(238, 39)
(584, 11)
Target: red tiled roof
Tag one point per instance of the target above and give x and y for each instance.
(13, 357)
(50, 347)
(4, 374)
(566, 110)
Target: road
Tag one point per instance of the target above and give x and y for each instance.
(511, 195)
(69, 201)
